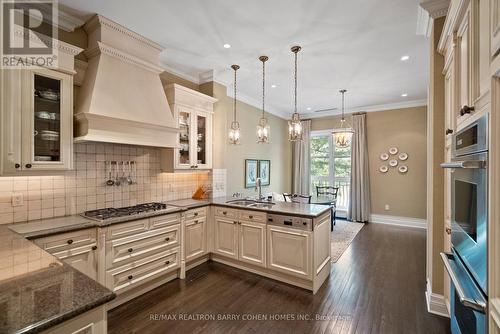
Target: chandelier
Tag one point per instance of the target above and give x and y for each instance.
(234, 131)
(263, 128)
(295, 125)
(342, 135)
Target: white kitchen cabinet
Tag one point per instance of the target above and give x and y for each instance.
(289, 251)
(226, 237)
(494, 27)
(195, 238)
(78, 249)
(252, 243)
(193, 112)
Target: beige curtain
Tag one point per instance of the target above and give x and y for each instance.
(359, 202)
(301, 173)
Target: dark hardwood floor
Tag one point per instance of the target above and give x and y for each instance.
(377, 286)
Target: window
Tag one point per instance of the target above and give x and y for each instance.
(330, 165)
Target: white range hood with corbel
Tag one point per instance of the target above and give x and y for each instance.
(121, 99)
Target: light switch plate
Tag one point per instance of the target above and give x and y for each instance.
(17, 199)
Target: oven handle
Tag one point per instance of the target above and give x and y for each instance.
(466, 301)
(471, 164)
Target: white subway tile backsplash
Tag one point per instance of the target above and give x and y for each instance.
(84, 188)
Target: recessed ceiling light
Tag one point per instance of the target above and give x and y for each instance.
(404, 94)
(227, 46)
(308, 108)
(405, 58)
(273, 86)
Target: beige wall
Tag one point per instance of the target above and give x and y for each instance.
(406, 129)
(232, 157)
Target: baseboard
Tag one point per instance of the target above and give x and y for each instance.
(398, 221)
(436, 304)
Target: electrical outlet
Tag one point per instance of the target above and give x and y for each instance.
(387, 207)
(17, 199)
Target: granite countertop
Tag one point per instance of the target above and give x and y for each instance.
(37, 291)
(284, 208)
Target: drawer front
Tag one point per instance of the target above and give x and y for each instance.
(167, 220)
(128, 249)
(253, 216)
(196, 213)
(67, 241)
(226, 213)
(128, 228)
(141, 271)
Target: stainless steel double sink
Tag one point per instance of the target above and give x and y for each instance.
(248, 203)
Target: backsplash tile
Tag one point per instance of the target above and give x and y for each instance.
(84, 188)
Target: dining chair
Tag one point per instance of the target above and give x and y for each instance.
(330, 191)
(297, 198)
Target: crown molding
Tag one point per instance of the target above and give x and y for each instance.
(62, 20)
(436, 8)
(369, 108)
(181, 74)
(454, 16)
(424, 23)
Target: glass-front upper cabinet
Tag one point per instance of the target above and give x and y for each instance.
(201, 139)
(47, 120)
(185, 128)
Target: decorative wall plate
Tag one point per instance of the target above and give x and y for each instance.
(403, 156)
(393, 162)
(403, 169)
(393, 150)
(383, 169)
(384, 156)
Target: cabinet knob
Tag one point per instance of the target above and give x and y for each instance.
(196, 221)
(28, 166)
(235, 222)
(466, 110)
(449, 131)
(94, 247)
(130, 250)
(167, 239)
(130, 277)
(167, 262)
(251, 217)
(196, 213)
(224, 212)
(304, 223)
(448, 230)
(70, 241)
(17, 165)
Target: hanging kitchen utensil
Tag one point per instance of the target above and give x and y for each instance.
(110, 181)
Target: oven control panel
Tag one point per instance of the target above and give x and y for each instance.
(289, 221)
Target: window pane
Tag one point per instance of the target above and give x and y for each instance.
(319, 146)
(342, 167)
(342, 151)
(319, 166)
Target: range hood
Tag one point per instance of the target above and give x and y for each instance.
(121, 99)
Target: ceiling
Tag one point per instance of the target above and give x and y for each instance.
(356, 44)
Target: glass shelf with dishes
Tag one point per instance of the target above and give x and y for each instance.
(184, 138)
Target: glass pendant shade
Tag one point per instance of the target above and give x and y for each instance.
(234, 133)
(263, 131)
(342, 135)
(295, 128)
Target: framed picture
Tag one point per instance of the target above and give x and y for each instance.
(265, 172)
(251, 172)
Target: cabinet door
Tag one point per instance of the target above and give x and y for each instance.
(449, 101)
(252, 243)
(83, 260)
(495, 27)
(47, 120)
(203, 136)
(196, 238)
(226, 238)
(289, 251)
(185, 152)
(10, 127)
(464, 40)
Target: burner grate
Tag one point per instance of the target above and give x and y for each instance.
(108, 213)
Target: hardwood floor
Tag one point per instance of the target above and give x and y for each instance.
(377, 286)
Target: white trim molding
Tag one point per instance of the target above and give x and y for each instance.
(436, 304)
(398, 221)
(436, 8)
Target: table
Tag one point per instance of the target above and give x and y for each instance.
(325, 200)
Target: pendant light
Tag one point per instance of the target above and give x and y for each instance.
(263, 128)
(343, 135)
(234, 132)
(295, 125)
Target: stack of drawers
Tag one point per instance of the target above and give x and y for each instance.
(141, 250)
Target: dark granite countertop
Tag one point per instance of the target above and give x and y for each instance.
(37, 291)
(284, 208)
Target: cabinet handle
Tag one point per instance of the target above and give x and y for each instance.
(196, 222)
(251, 217)
(448, 230)
(167, 262)
(130, 250)
(235, 222)
(130, 277)
(466, 110)
(196, 213)
(17, 165)
(167, 239)
(28, 166)
(94, 247)
(70, 241)
(224, 212)
(449, 131)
